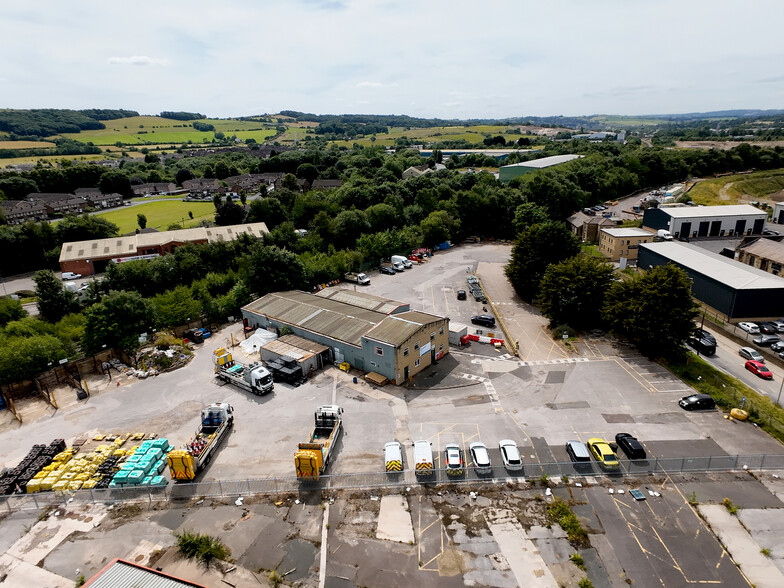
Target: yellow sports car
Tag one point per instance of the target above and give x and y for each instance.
(603, 453)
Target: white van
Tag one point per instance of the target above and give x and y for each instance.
(664, 234)
(405, 261)
(393, 457)
(423, 458)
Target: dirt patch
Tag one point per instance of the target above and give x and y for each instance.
(452, 563)
(126, 511)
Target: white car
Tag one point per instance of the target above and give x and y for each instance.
(750, 328)
(71, 276)
(510, 455)
(751, 353)
(453, 456)
(480, 457)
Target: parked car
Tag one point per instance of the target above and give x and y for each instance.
(393, 457)
(603, 453)
(577, 452)
(453, 456)
(697, 402)
(751, 353)
(461, 295)
(510, 455)
(766, 340)
(777, 347)
(193, 335)
(630, 446)
(768, 328)
(484, 320)
(480, 457)
(71, 276)
(751, 328)
(203, 332)
(385, 269)
(759, 369)
(769, 232)
(779, 325)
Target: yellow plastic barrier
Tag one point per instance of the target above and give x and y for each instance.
(33, 486)
(89, 483)
(181, 465)
(60, 486)
(75, 485)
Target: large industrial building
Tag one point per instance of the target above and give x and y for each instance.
(372, 334)
(514, 170)
(734, 289)
(693, 222)
(92, 257)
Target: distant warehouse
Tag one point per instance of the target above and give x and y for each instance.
(514, 170)
(92, 257)
(731, 287)
(372, 334)
(693, 222)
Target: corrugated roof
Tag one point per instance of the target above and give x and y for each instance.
(129, 245)
(331, 318)
(722, 269)
(123, 574)
(361, 299)
(712, 211)
(397, 328)
(767, 249)
(545, 161)
(295, 347)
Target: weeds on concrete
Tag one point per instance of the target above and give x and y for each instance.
(202, 547)
(731, 508)
(559, 512)
(585, 583)
(275, 578)
(577, 560)
(693, 498)
(765, 551)
(80, 581)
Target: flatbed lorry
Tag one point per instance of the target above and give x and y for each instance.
(216, 421)
(360, 279)
(313, 456)
(254, 378)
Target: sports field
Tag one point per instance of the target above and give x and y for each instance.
(160, 214)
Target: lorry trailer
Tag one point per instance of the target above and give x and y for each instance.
(313, 456)
(254, 378)
(216, 421)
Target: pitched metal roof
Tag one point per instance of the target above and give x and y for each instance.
(397, 328)
(628, 232)
(361, 299)
(712, 211)
(545, 161)
(330, 318)
(126, 574)
(717, 267)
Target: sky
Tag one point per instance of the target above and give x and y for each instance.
(445, 59)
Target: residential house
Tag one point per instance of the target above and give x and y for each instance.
(59, 204)
(19, 211)
(326, 184)
(153, 188)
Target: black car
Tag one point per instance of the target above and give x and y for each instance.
(385, 269)
(630, 446)
(193, 335)
(484, 320)
(768, 328)
(461, 294)
(697, 402)
(703, 341)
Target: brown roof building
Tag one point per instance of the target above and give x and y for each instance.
(765, 254)
(20, 211)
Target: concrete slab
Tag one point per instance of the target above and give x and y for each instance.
(14, 526)
(744, 491)
(766, 526)
(524, 559)
(16, 572)
(394, 520)
(266, 551)
(175, 564)
(760, 571)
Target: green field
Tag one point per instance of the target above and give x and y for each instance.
(160, 214)
(139, 130)
(473, 134)
(25, 144)
(737, 188)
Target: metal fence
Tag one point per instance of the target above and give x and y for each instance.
(261, 486)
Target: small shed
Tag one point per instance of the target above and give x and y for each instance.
(456, 330)
(311, 356)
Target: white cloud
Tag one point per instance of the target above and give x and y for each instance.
(369, 85)
(137, 60)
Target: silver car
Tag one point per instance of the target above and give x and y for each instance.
(480, 457)
(510, 455)
(749, 353)
(750, 328)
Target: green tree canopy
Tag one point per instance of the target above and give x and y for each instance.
(84, 228)
(229, 213)
(175, 307)
(54, 301)
(655, 310)
(528, 214)
(307, 171)
(10, 310)
(536, 248)
(117, 321)
(267, 210)
(438, 227)
(267, 269)
(141, 220)
(22, 358)
(115, 181)
(572, 292)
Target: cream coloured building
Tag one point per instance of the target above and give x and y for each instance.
(617, 243)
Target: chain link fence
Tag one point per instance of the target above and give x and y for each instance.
(261, 486)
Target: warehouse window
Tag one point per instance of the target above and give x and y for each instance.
(405, 352)
(441, 347)
(416, 363)
(441, 331)
(416, 345)
(776, 268)
(379, 350)
(432, 335)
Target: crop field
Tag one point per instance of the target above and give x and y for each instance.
(740, 188)
(473, 134)
(51, 158)
(160, 214)
(139, 130)
(25, 144)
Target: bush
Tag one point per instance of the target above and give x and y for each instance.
(577, 560)
(561, 330)
(202, 547)
(559, 512)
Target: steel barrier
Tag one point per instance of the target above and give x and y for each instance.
(379, 480)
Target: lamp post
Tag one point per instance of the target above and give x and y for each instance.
(780, 389)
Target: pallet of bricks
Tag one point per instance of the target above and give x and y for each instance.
(16, 480)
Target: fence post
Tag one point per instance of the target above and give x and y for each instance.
(735, 466)
(762, 462)
(92, 496)
(220, 488)
(683, 463)
(248, 484)
(710, 460)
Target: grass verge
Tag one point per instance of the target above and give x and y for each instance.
(728, 393)
(160, 214)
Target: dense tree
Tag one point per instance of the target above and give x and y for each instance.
(183, 175)
(308, 172)
(10, 310)
(84, 227)
(22, 358)
(270, 269)
(536, 248)
(117, 321)
(349, 224)
(528, 214)
(266, 210)
(222, 170)
(175, 307)
(229, 213)
(141, 220)
(572, 292)
(115, 181)
(438, 227)
(655, 310)
(54, 301)
(16, 187)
